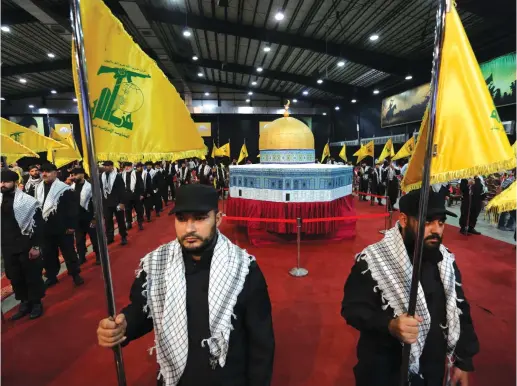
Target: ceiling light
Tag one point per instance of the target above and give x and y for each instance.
(75, 99)
(259, 69)
(336, 108)
(376, 92)
(247, 100)
(6, 28)
(250, 93)
(187, 33)
(51, 55)
(409, 77)
(253, 83)
(200, 74)
(279, 16)
(194, 57)
(295, 100)
(267, 49)
(354, 100)
(324, 113)
(305, 92)
(43, 111)
(31, 106)
(207, 93)
(319, 81)
(374, 37)
(53, 91)
(23, 80)
(340, 63)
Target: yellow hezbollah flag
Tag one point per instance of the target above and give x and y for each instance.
(243, 154)
(63, 156)
(514, 147)
(65, 131)
(214, 150)
(326, 152)
(365, 151)
(466, 119)
(13, 150)
(388, 150)
(223, 151)
(28, 138)
(505, 201)
(406, 150)
(342, 153)
(136, 112)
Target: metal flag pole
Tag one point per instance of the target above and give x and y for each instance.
(443, 7)
(80, 62)
(298, 271)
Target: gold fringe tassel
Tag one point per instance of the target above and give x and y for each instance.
(142, 157)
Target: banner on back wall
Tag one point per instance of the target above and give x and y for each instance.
(33, 123)
(204, 128)
(409, 106)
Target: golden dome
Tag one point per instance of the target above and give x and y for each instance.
(286, 133)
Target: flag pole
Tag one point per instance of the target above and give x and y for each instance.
(80, 62)
(443, 7)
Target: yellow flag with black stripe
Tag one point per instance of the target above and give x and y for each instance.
(406, 150)
(388, 151)
(223, 151)
(243, 154)
(466, 119)
(365, 151)
(136, 112)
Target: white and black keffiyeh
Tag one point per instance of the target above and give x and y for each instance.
(107, 183)
(32, 182)
(392, 269)
(183, 173)
(204, 170)
(52, 201)
(132, 181)
(86, 194)
(166, 293)
(24, 207)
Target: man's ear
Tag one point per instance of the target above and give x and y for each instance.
(403, 220)
(218, 218)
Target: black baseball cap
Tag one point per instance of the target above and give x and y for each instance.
(409, 203)
(7, 175)
(107, 163)
(197, 198)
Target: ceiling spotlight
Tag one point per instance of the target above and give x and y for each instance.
(376, 92)
(259, 69)
(194, 57)
(207, 93)
(374, 37)
(250, 93)
(187, 33)
(295, 100)
(336, 108)
(51, 55)
(409, 77)
(253, 83)
(247, 100)
(75, 99)
(267, 49)
(31, 106)
(341, 63)
(279, 16)
(305, 92)
(43, 111)
(324, 113)
(6, 28)
(200, 74)
(319, 81)
(354, 100)
(53, 92)
(23, 80)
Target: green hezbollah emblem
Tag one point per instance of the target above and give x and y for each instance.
(495, 116)
(125, 97)
(16, 136)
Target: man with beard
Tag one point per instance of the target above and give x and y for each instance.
(134, 189)
(86, 225)
(376, 297)
(183, 174)
(31, 180)
(113, 194)
(21, 234)
(203, 172)
(149, 188)
(60, 214)
(206, 299)
(391, 182)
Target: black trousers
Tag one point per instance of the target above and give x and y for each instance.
(25, 276)
(138, 205)
(158, 204)
(392, 193)
(363, 188)
(80, 240)
(149, 204)
(55, 243)
(172, 188)
(381, 189)
(164, 194)
(475, 209)
(109, 212)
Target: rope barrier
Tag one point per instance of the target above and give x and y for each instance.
(307, 220)
(370, 195)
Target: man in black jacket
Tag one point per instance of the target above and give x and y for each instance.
(161, 185)
(375, 302)
(134, 189)
(31, 180)
(212, 288)
(149, 188)
(61, 214)
(21, 234)
(112, 188)
(474, 192)
(390, 171)
(86, 225)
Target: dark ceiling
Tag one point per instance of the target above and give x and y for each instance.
(229, 37)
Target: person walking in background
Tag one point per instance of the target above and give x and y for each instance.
(149, 199)
(389, 177)
(473, 191)
(363, 180)
(113, 194)
(31, 180)
(134, 190)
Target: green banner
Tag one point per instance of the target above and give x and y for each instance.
(500, 76)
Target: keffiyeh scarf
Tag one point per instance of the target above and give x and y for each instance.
(24, 207)
(52, 201)
(107, 183)
(132, 182)
(166, 293)
(86, 194)
(392, 269)
(32, 182)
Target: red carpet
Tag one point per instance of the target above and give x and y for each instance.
(314, 345)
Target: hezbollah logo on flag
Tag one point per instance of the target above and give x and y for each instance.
(116, 105)
(16, 136)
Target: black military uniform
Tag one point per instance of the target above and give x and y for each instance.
(204, 178)
(134, 197)
(23, 272)
(86, 220)
(111, 204)
(473, 196)
(390, 180)
(171, 176)
(376, 186)
(149, 199)
(59, 229)
(363, 182)
(161, 184)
